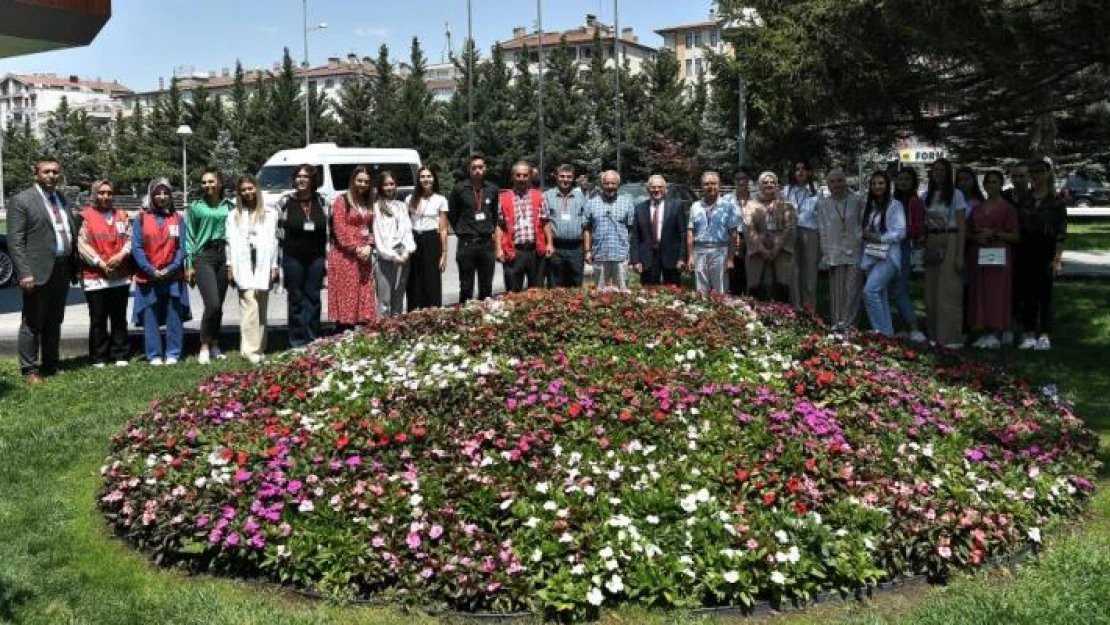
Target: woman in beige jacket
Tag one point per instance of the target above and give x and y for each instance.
(770, 224)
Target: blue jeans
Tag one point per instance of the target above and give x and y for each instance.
(166, 311)
(875, 296)
(901, 288)
(304, 279)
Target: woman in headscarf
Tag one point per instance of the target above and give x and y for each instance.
(104, 244)
(770, 224)
(252, 263)
(161, 293)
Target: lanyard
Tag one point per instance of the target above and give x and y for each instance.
(479, 197)
(306, 206)
(841, 210)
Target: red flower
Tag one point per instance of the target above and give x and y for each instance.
(660, 415)
(626, 415)
(800, 507)
(241, 458)
(800, 389)
(769, 498)
(742, 475)
(574, 410)
(794, 485)
(825, 377)
(401, 437)
(419, 431)
(811, 465)
(342, 441)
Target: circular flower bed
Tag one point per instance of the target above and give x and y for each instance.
(561, 451)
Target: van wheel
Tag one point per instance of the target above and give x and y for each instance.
(7, 269)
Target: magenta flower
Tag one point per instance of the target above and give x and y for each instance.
(413, 540)
(436, 532)
(233, 539)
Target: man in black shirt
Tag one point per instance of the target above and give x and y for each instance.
(472, 211)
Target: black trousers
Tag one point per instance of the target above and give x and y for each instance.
(425, 286)
(108, 306)
(211, 267)
(1033, 273)
(44, 308)
(304, 279)
(564, 268)
(527, 266)
(738, 276)
(656, 273)
(475, 256)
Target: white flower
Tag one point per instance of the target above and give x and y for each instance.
(542, 488)
(506, 504)
(782, 536)
(927, 451)
(611, 565)
(595, 596)
(550, 506)
(732, 577)
(537, 555)
(620, 521)
(615, 584)
(606, 553)
(566, 537)
(652, 519)
(778, 578)
(416, 500)
(532, 522)
(1035, 534)
(578, 570)
(1029, 493)
(200, 482)
(687, 560)
(689, 503)
(306, 506)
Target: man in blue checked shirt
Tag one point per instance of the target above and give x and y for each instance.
(609, 217)
(711, 236)
(567, 206)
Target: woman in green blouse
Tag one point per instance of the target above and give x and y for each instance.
(206, 259)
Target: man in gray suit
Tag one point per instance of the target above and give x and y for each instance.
(42, 242)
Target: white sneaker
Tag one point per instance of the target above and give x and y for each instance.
(954, 346)
(122, 363)
(171, 361)
(918, 337)
(254, 359)
(217, 354)
(992, 342)
(99, 365)
(981, 343)
(1007, 338)
(156, 362)
(1028, 342)
(1043, 343)
(203, 357)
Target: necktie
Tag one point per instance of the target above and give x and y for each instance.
(656, 216)
(59, 224)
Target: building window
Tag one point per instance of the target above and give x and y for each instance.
(697, 66)
(697, 39)
(586, 53)
(689, 67)
(329, 84)
(713, 39)
(689, 40)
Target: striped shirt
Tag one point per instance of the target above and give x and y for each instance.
(568, 213)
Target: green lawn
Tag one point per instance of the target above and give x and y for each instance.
(59, 565)
(1086, 236)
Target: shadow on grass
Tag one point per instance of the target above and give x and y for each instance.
(11, 597)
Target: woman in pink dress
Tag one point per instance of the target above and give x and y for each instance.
(994, 231)
(351, 298)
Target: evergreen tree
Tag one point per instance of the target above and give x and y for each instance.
(203, 114)
(384, 97)
(240, 101)
(261, 134)
(493, 116)
(716, 147)
(21, 148)
(664, 134)
(451, 147)
(68, 137)
(415, 113)
(285, 113)
(563, 107)
(524, 137)
(225, 157)
(354, 110)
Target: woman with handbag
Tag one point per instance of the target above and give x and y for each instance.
(945, 215)
(905, 191)
(884, 228)
(770, 224)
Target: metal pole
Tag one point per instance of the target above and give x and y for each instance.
(184, 174)
(539, 24)
(742, 120)
(617, 49)
(307, 126)
(470, 74)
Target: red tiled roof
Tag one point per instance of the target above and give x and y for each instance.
(43, 80)
(188, 83)
(702, 24)
(577, 36)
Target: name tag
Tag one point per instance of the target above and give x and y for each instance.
(992, 257)
(175, 231)
(310, 226)
(565, 216)
(252, 237)
(480, 216)
(121, 228)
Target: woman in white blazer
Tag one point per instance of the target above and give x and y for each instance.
(252, 263)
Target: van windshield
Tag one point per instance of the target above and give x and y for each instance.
(341, 173)
(276, 177)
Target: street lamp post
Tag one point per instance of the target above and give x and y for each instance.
(470, 75)
(307, 95)
(617, 49)
(184, 131)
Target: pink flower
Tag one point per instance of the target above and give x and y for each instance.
(233, 539)
(242, 476)
(413, 540)
(354, 461)
(377, 542)
(436, 532)
(293, 486)
(944, 551)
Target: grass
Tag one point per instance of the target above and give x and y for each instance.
(1086, 236)
(58, 564)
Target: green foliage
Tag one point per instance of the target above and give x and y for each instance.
(20, 150)
(68, 137)
(384, 98)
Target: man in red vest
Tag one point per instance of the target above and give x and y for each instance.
(526, 234)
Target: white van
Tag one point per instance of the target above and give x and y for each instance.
(335, 165)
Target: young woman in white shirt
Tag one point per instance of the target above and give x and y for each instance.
(428, 210)
(884, 227)
(252, 263)
(802, 193)
(393, 245)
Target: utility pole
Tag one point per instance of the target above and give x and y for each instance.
(617, 49)
(469, 52)
(307, 95)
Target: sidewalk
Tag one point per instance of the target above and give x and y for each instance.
(75, 330)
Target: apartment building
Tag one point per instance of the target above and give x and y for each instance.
(33, 98)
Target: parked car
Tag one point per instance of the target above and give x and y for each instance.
(1084, 191)
(335, 165)
(7, 269)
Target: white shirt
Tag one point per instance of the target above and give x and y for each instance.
(938, 212)
(59, 229)
(393, 233)
(426, 215)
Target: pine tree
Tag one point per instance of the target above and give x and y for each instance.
(285, 113)
(524, 137)
(384, 97)
(354, 112)
(202, 114)
(69, 138)
(240, 101)
(493, 115)
(664, 134)
(415, 112)
(225, 157)
(261, 134)
(716, 147)
(21, 148)
(563, 106)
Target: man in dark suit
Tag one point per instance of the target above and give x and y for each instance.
(42, 240)
(659, 236)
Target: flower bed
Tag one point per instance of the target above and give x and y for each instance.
(561, 451)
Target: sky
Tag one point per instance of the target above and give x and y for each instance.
(148, 39)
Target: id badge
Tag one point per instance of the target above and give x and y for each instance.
(175, 231)
(252, 238)
(310, 226)
(121, 228)
(565, 216)
(480, 217)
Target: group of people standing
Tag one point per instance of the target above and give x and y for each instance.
(989, 254)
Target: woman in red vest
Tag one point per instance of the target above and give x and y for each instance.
(104, 244)
(351, 298)
(161, 294)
